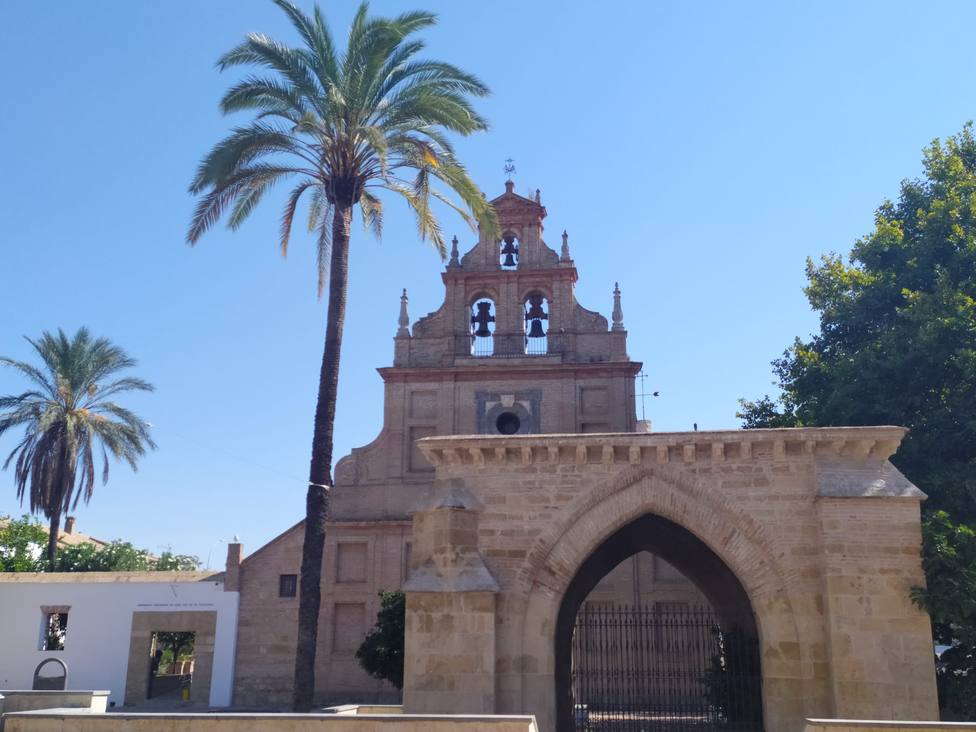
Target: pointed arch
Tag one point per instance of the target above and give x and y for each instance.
(735, 538)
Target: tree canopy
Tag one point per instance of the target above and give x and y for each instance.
(897, 345)
(22, 543)
(70, 417)
(381, 652)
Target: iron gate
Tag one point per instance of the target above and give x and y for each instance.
(663, 668)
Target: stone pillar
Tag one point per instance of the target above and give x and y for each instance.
(450, 624)
(879, 643)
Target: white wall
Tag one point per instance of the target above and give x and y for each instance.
(96, 648)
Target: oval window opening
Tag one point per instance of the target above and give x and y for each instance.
(507, 423)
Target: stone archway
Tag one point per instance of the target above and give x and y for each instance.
(729, 607)
(738, 570)
(819, 532)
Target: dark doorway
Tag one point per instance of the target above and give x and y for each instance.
(648, 666)
(171, 666)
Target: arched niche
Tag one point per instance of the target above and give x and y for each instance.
(535, 308)
(481, 317)
(509, 251)
(730, 611)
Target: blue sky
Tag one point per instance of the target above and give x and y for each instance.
(696, 152)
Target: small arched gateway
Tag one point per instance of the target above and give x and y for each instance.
(657, 665)
(804, 542)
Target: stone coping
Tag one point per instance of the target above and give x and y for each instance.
(96, 577)
(890, 724)
(230, 716)
(52, 692)
(860, 443)
(346, 709)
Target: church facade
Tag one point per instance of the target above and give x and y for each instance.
(510, 352)
(561, 560)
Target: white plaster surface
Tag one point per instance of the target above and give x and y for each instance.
(100, 621)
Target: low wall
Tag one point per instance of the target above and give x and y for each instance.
(17, 700)
(382, 709)
(863, 725)
(68, 720)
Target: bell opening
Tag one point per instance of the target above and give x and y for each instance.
(482, 327)
(536, 308)
(508, 256)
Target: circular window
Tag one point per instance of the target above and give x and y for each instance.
(507, 423)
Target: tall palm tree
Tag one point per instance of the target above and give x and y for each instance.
(67, 414)
(342, 126)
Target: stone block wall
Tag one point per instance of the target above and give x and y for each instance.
(821, 532)
(360, 560)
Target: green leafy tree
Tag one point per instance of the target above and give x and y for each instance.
(897, 345)
(949, 559)
(381, 652)
(342, 125)
(119, 556)
(22, 543)
(68, 412)
(176, 646)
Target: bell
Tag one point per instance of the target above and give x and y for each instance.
(535, 311)
(510, 250)
(535, 329)
(481, 319)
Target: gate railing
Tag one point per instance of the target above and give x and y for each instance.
(658, 668)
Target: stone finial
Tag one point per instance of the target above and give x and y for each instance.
(538, 196)
(564, 254)
(404, 330)
(618, 313)
(454, 261)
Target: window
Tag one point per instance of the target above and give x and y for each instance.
(54, 629)
(348, 626)
(287, 585)
(507, 423)
(418, 463)
(351, 561)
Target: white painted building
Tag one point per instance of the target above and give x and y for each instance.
(109, 619)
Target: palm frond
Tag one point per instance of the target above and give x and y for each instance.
(262, 93)
(324, 248)
(288, 215)
(371, 208)
(375, 115)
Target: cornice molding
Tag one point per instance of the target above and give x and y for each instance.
(850, 443)
(536, 367)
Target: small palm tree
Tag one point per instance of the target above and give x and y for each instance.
(342, 126)
(66, 415)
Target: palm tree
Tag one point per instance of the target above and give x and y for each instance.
(342, 126)
(66, 414)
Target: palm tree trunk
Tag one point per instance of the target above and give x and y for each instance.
(54, 529)
(320, 471)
